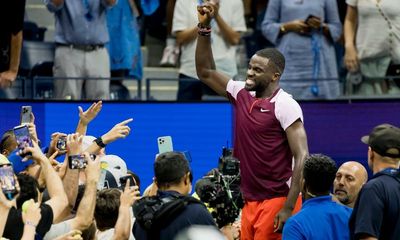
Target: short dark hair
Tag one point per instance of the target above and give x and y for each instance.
(274, 56)
(319, 172)
(169, 168)
(107, 207)
(7, 140)
(29, 189)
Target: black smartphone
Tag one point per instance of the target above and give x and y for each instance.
(78, 161)
(22, 137)
(309, 17)
(124, 179)
(62, 143)
(25, 114)
(8, 181)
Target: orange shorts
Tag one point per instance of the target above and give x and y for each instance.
(258, 218)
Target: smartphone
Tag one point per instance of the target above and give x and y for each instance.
(309, 17)
(78, 161)
(22, 137)
(165, 144)
(62, 143)
(124, 179)
(26, 114)
(8, 181)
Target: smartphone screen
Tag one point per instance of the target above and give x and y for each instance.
(62, 143)
(78, 161)
(26, 114)
(165, 144)
(7, 181)
(22, 137)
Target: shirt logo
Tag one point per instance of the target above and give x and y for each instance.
(264, 110)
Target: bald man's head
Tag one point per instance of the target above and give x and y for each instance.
(350, 177)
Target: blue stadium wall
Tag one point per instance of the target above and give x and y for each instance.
(333, 128)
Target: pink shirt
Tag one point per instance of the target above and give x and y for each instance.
(260, 141)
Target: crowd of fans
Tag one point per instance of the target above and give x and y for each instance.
(101, 39)
(48, 199)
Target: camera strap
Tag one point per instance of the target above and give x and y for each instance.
(155, 213)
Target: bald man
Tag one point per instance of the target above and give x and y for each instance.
(350, 177)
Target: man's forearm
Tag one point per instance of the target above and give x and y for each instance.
(228, 33)
(294, 186)
(123, 225)
(86, 207)
(81, 128)
(16, 45)
(71, 182)
(204, 57)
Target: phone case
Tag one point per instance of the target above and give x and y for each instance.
(165, 144)
(26, 114)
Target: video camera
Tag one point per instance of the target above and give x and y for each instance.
(220, 189)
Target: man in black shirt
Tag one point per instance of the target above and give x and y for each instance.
(377, 209)
(173, 178)
(11, 25)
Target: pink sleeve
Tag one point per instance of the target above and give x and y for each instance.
(234, 87)
(287, 111)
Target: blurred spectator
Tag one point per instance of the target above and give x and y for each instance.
(319, 217)
(124, 46)
(80, 35)
(11, 24)
(305, 31)
(254, 14)
(171, 51)
(373, 53)
(227, 25)
(377, 209)
(350, 177)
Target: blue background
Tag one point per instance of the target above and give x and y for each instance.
(333, 128)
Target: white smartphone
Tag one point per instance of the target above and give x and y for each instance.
(165, 144)
(25, 114)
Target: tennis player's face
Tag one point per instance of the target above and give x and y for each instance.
(259, 75)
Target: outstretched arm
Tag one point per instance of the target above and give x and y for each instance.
(297, 138)
(205, 65)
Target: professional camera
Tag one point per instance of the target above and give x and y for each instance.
(220, 189)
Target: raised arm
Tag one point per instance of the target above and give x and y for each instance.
(297, 139)
(120, 130)
(58, 199)
(85, 117)
(205, 65)
(350, 26)
(84, 215)
(123, 226)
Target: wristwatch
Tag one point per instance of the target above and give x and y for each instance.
(99, 142)
(282, 28)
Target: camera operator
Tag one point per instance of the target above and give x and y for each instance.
(173, 178)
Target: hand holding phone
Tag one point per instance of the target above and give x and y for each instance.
(8, 181)
(313, 21)
(124, 179)
(165, 144)
(62, 143)
(22, 137)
